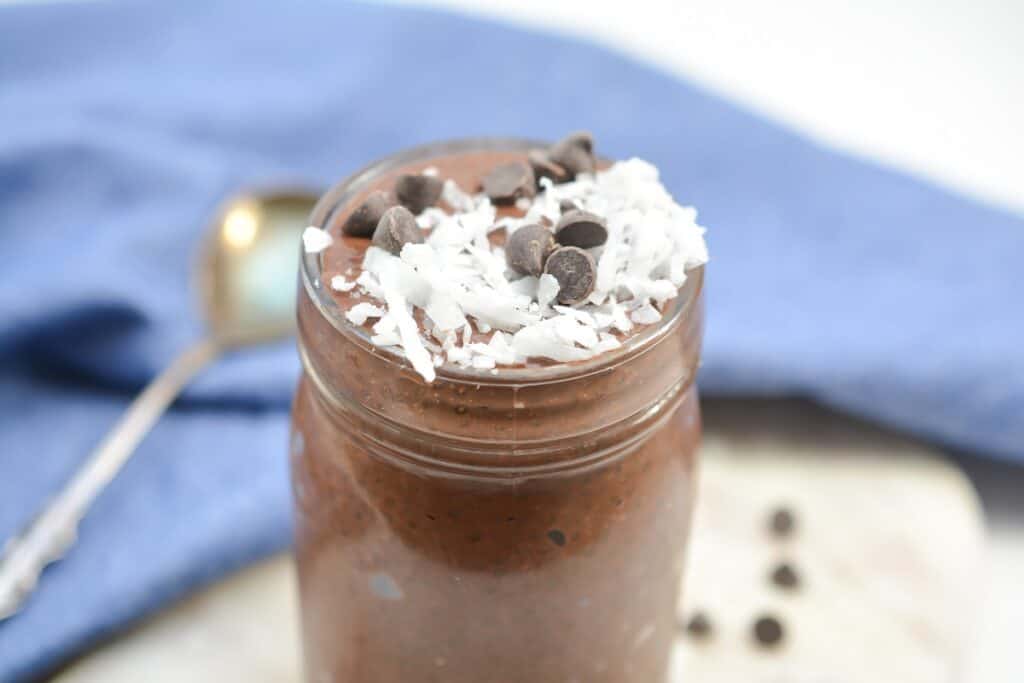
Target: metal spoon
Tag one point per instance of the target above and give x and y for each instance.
(245, 278)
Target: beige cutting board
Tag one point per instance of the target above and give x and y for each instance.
(889, 547)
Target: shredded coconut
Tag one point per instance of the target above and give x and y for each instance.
(458, 281)
(315, 240)
(360, 313)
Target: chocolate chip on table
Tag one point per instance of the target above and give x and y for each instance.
(416, 191)
(575, 271)
(768, 631)
(363, 221)
(581, 229)
(785, 576)
(557, 537)
(506, 183)
(528, 249)
(575, 153)
(397, 227)
(544, 167)
(782, 522)
(699, 626)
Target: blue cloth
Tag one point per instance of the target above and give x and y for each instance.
(121, 126)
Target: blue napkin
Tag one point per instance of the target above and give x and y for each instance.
(122, 125)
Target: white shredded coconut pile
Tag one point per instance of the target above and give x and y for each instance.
(459, 281)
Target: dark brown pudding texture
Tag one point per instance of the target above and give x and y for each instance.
(524, 527)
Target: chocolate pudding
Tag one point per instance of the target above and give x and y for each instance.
(498, 491)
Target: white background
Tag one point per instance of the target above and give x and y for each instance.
(933, 86)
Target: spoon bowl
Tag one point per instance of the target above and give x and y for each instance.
(246, 275)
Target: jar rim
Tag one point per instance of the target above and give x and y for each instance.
(311, 274)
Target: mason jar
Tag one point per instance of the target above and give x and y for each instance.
(524, 527)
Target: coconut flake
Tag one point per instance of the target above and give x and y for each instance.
(526, 286)
(547, 290)
(340, 284)
(496, 309)
(542, 341)
(607, 342)
(389, 339)
(579, 314)
(445, 312)
(360, 313)
(645, 315)
(369, 283)
(431, 217)
(315, 240)
(481, 362)
(385, 325)
(453, 196)
(497, 348)
(409, 333)
(571, 331)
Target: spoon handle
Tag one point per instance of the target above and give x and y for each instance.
(53, 531)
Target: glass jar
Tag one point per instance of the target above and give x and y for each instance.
(523, 527)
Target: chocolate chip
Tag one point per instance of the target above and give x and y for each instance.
(699, 626)
(768, 631)
(417, 191)
(581, 138)
(782, 522)
(785, 576)
(544, 167)
(567, 205)
(575, 271)
(528, 249)
(581, 229)
(396, 228)
(575, 153)
(363, 221)
(557, 537)
(508, 182)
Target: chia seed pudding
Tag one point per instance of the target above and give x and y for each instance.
(495, 435)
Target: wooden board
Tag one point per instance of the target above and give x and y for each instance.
(889, 546)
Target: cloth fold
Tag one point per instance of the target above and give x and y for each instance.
(125, 124)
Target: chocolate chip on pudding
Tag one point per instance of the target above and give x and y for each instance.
(574, 153)
(528, 248)
(397, 227)
(575, 271)
(544, 167)
(508, 182)
(581, 229)
(509, 511)
(363, 221)
(418, 191)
